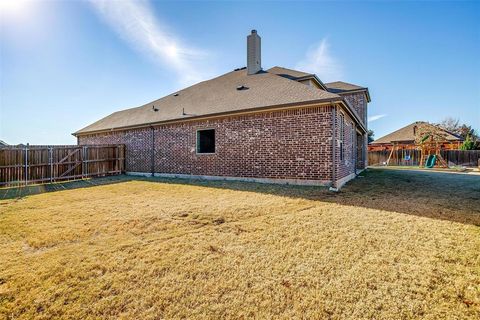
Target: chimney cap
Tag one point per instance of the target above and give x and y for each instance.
(254, 31)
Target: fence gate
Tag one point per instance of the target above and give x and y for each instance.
(43, 164)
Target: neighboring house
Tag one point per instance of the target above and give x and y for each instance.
(278, 125)
(404, 138)
(3, 144)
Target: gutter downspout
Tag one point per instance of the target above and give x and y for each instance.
(153, 152)
(334, 147)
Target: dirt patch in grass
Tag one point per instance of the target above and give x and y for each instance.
(164, 249)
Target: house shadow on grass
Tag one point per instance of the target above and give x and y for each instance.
(438, 195)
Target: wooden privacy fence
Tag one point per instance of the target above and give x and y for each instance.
(45, 164)
(467, 158)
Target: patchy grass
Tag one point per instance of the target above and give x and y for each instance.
(389, 246)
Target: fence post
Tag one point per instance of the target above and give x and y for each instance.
(26, 164)
(117, 156)
(50, 158)
(85, 161)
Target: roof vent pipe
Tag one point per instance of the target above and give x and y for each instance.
(254, 59)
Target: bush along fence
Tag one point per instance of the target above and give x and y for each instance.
(466, 158)
(45, 164)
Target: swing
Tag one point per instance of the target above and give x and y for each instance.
(407, 156)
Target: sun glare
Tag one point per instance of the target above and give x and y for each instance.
(171, 50)
(12, 8)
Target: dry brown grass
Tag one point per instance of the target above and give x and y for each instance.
(149, 250)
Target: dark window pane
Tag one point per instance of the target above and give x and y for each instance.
(206, 141)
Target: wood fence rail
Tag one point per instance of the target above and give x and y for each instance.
(467, 158)
(44, 164)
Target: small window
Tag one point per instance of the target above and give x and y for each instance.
(206, 141)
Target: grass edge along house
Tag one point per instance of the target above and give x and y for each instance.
(277, 126)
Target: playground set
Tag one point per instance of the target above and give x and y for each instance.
(429, 140)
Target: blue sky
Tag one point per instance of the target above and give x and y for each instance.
(65, 64)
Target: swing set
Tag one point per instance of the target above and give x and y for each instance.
(429, 140)
(430, 153)
(406, 153)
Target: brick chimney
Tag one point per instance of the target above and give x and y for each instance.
(254, 58)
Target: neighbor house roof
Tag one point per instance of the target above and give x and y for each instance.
(407, 134)
(217, 96)
(3, 143)
(341, 87)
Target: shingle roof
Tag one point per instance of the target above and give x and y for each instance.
(3, 143)
(216, 96)
(289, 73)
(340, 86)
(406, 134)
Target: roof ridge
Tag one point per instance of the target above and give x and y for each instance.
(295, 74)
(290, 69)
(344, 82)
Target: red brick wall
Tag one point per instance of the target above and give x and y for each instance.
(288, 144)
(362, 153)
(137, 146)
(346, 165)
(359, 102)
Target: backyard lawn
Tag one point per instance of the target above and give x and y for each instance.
(390, 245)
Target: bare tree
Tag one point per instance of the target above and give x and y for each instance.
(451, 124)
(461, 129)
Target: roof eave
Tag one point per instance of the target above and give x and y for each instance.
(219, 114)
(364, 90)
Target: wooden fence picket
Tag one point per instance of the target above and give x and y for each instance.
(467, 158)
(42, 164)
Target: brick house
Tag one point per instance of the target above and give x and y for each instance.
(277, 125)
